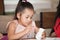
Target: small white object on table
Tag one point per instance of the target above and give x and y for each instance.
(39, 34)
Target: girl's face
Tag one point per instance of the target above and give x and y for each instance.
(26, 17)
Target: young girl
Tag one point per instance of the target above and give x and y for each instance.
(22, 26)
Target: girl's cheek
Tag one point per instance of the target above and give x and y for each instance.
(30, 22)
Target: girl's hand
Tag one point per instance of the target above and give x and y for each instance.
(43, 35)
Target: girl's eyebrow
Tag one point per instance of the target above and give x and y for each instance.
(27, 16)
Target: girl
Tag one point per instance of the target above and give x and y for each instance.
(22, 26)
(56, 31)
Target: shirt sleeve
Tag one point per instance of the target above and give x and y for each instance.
(7, 25)
(57, 27)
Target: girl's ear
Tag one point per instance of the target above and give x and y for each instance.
(18, 15)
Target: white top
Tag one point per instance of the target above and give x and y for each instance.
(20, 28)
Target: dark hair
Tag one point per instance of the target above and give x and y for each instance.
(21, 6)
(58, 11)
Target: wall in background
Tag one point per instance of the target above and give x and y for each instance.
(10, 5)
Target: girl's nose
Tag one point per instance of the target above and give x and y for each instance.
(29, 19)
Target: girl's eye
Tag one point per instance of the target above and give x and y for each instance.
(31, 18)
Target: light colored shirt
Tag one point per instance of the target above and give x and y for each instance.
(20, 28)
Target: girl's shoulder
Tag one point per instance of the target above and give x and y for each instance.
(58, 19)
(33, 23)
(13, 22)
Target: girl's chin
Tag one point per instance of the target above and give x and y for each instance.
(25, 25)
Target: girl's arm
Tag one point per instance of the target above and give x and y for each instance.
(11, 32)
